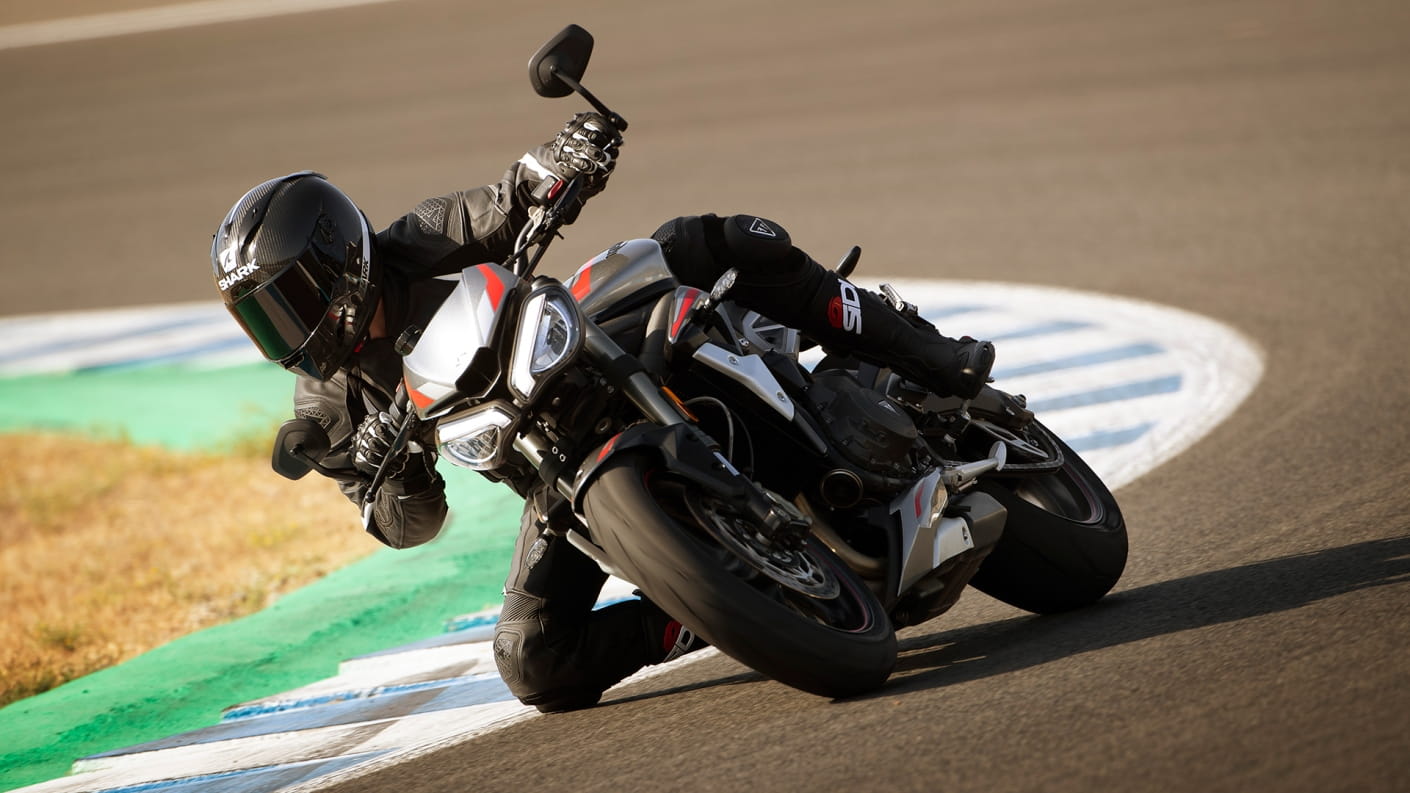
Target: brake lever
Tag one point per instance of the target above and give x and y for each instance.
(544, 222)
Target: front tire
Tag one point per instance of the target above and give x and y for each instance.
(835, 642)
(1064, 544)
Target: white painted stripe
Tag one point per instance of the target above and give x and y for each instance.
(1218, 366)
(170, 17)
(461, 649)
(1047, 385)
(383, 741)
(290, 747)
(70, 341)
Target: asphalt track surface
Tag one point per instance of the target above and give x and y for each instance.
(1249, 161)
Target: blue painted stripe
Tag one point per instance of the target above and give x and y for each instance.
(412, 699)
(472, 634)
(250, 780)
(1108, 355)
(285, 706)
(1106, 439)
(194, 351)
(1115, 393)
(1045, 329)
(457, 624)
(945, 312)
(99, 339)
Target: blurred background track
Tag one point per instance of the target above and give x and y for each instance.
(1249, 161)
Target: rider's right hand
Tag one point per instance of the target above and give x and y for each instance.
(371, 442)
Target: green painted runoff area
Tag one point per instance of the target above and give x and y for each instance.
(382, 601)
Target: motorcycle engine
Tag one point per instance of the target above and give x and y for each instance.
(866, 427)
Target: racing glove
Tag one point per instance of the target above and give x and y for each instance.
(587, 146)
(371, 443)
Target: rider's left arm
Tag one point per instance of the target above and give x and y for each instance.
(449, 233)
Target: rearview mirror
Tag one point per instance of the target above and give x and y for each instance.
(564, 54)
(299, 446)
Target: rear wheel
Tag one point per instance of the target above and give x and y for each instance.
(1064, 544)
(799, 616)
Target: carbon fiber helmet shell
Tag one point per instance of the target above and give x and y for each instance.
(294, 264)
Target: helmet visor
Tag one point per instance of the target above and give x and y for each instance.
(283, 313)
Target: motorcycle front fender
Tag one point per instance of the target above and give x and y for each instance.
(680, 449)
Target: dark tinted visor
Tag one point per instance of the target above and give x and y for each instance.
(283, 314)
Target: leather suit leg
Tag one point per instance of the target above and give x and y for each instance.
(552, 649)
(784, 283)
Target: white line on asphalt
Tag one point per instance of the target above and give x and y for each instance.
(145, 20)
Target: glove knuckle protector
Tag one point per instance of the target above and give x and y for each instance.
(371, 442)
(587, 146)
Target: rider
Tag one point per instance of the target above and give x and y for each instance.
(317, 291)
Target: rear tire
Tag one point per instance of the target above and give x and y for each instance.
(1064, 544)
(837, 645)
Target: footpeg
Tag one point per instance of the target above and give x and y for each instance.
(962, 476)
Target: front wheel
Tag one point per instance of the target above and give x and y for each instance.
(1064, 544)
(801, 617)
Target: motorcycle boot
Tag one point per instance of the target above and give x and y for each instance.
(909, 344)
(854, 321)
(669, 637)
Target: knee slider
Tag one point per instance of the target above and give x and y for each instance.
(700, 248)
(533, 674)
(756, 243)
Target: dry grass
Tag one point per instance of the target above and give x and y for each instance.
(108, 550)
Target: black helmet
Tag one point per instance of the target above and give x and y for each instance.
(293, 261)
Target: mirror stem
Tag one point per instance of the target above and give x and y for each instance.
(612, 118)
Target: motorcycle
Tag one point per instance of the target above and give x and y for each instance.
(793, 517)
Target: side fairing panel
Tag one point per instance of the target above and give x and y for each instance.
(624, 274)
(464, 324)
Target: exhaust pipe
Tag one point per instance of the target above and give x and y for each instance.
(841, 488)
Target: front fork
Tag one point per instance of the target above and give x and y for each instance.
(623, 373)
(674, 437)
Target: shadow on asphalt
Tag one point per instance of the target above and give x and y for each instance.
(948, 657)
(935, 660)
(731, 680)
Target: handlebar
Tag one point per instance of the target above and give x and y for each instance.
(544, 222)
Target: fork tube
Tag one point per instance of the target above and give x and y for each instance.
(627, 374)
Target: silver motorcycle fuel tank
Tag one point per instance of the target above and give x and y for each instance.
(624, 274)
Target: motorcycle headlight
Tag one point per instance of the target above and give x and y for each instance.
(550, 334)
(478, 438)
